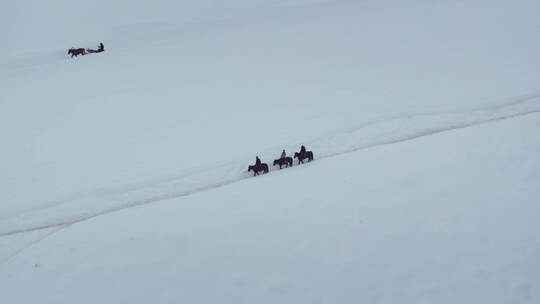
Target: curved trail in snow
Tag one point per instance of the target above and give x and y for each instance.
(77, 209)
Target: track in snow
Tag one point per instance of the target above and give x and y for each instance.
(77, 209)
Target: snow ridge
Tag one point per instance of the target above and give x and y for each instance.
(77, 209)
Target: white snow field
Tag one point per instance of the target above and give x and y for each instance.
(123, 174)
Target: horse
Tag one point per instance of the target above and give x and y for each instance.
(308, 155)
(286, 161)
(263, 167)
(76, 52)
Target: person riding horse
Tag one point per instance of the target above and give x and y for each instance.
(302, 151)
(283, 160)
(258, 167)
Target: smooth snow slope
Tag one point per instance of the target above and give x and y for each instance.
(61, 213)
(446, 218)
(158, 104)
(188, 92)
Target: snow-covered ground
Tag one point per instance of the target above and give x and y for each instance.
(123, 174)
(449, 218)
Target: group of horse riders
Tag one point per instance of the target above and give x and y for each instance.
(284, 160)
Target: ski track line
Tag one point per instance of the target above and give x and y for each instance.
(186, 172)
(464, 120)
(31, 244)
(119, 189)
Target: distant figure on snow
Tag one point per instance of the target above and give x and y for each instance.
(283, 160)
(257, 162)
(76, 52)
(303, 154)
(100, 49)
(302, 150)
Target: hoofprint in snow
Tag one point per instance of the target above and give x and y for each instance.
(214, 175)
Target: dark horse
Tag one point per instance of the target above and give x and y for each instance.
(263, 167)
(301, 157)
(286, 161)
(76, 52)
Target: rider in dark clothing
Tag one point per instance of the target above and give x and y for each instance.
(100, 49)
(257, 161)
(302, 150)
